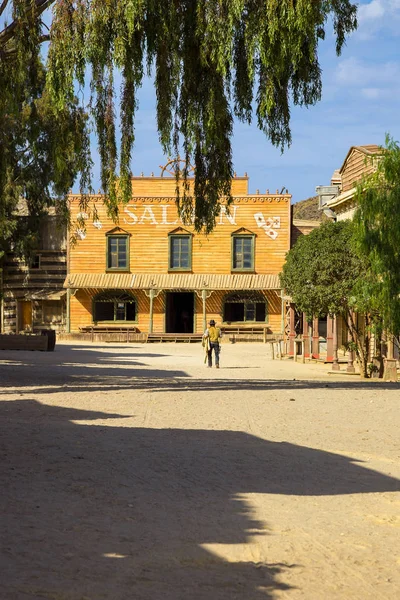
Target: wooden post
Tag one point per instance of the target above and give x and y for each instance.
(151, 296)
(329, 338)
(350, 363)
(335, 364)
(315, 338)
(306, 339)
(68, 316)
(295, 351)
(204, 298)
(292, 333)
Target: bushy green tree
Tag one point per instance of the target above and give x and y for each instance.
(212, 60)
(377, 235)
(322, 274)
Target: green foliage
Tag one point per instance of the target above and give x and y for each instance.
(324, 274)
(42, 148)
(322, 270)
(377, 235)
(211, 60)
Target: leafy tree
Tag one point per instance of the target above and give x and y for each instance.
(377, 235)
(212, 60)
(322, 274)
(42, 148)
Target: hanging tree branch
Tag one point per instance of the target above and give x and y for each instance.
(31, 13)
(212, 59)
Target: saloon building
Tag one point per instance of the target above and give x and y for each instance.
(153, 273)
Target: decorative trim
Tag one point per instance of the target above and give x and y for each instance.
(118, 231)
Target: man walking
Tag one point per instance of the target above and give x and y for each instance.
(213, 334)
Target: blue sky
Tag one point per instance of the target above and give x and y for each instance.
(360, 103)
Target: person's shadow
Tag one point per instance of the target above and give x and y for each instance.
(106, 511)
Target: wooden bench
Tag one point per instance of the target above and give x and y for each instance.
(109, 329)
(174, 337)
(248, 333)
(244, 329)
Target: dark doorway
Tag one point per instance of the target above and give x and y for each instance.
(179, 312)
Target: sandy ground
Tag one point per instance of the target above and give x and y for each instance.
(134, 472)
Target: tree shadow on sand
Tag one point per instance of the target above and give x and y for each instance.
(88, 369)
(112, 512)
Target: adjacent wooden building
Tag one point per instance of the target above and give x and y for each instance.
(32, 293)
(154, 273)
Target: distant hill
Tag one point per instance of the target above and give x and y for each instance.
(307, 210)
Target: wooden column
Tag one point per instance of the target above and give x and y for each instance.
(292, 333)
(315, 338)
(350, 363)
(204, 298)
(335, 364)
(329, 338)
(68, 315)
(151, 296)
(306, 339)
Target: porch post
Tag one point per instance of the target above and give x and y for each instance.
(204, 298)
(335, 364)
(350, 362)
(151, 296)
(282, 313)
(306, 339)
(68, 315)
(329, 338)
(315, 338)
(292, 332)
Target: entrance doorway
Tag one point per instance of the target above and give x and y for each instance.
(25, 315)
(179, 312)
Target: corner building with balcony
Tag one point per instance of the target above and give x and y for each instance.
(152, 273)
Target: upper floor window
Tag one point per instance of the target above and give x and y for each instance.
(180, 251)
(243, 252)
(118, 250)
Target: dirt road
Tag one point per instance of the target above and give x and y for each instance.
(133, 472)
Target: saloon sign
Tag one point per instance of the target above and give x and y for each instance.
(159, 216)
(164, 215)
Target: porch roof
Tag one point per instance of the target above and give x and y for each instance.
(172, 281)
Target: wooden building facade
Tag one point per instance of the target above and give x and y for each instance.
(33, 297)
(154, 273)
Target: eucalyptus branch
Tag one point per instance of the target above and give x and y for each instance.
(31, 13)
(3, 6)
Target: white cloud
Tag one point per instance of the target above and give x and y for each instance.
(372, 93)
(355, 73)
(374, 10)
(376, 16)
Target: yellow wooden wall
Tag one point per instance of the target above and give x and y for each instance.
(150, 219)
(150, 216)
(81, 310)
